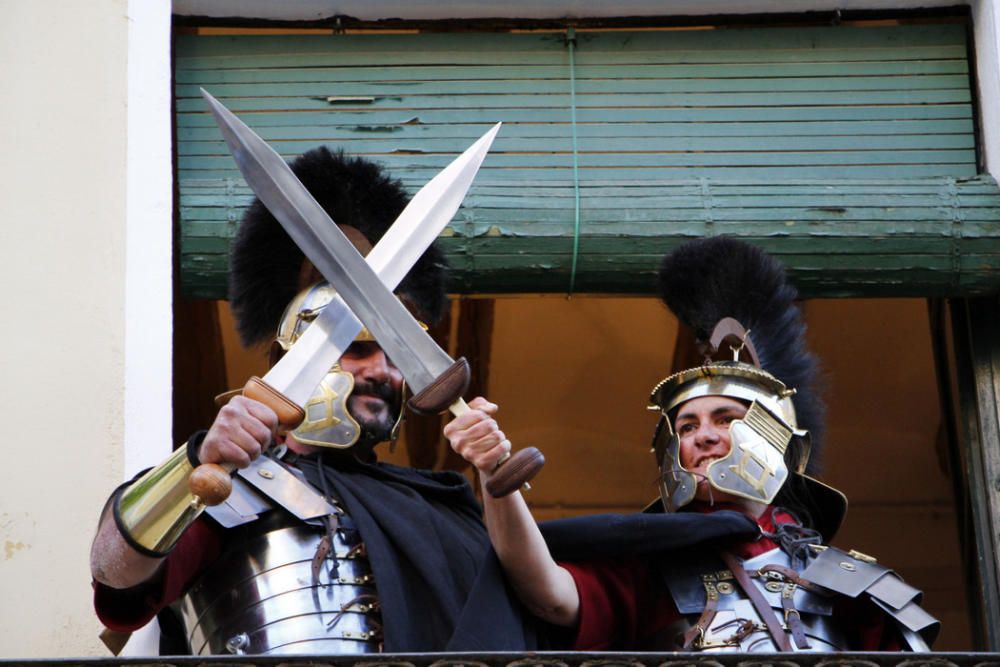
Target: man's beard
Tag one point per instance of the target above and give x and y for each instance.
(374, 428)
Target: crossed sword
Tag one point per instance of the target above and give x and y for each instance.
(364, 298)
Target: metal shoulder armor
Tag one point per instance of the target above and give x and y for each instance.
(265, 484)
(854, 574)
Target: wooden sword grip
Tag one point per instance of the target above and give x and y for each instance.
(211, 482)
(513, 472)
(289, 414)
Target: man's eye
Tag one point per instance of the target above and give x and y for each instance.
(685, 429)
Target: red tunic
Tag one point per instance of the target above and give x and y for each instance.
(624, 608)
(130, 609)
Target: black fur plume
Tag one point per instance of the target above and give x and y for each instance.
(705, 280)
(265, 264)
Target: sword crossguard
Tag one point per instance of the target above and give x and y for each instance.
(446, 389)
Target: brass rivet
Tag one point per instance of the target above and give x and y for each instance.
(266, 474)
(725, 588)
(848, 566)
(774, 586)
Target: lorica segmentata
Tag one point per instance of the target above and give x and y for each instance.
(264, 599)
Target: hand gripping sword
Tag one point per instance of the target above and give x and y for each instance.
(437, 380)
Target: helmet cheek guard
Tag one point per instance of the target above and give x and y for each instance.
(755, 467)
(677, 485)
(328, 421)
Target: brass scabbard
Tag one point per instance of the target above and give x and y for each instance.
(155, 510)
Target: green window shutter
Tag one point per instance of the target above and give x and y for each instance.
(847, 151)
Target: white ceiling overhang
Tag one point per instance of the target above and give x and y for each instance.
(374, 10)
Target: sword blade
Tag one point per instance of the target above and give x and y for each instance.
(413, 351)
(302, 368)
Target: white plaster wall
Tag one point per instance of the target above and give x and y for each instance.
(68, 223)
(149, 242)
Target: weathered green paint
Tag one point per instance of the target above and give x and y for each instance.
(848, 152)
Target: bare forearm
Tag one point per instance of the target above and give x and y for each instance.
(116, 564)
(547, 589)
(543, 586)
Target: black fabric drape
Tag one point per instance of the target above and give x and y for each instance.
(601, 536)
(439, 583)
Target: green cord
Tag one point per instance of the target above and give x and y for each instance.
(571, 42)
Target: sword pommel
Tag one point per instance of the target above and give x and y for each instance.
(515, 472)
(210, 483)
(447, 388)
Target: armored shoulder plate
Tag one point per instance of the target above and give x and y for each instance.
(853, 574)
(260, 487)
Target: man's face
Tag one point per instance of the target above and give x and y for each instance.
(375, 401)
(702, 424)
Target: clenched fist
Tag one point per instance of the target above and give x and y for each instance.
(239, 433)
(477, 437)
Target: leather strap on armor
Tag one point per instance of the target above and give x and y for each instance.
(792, 618)
(788, 574)
(696, 633)
(759, 603)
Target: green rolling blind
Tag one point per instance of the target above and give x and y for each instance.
(848, 151)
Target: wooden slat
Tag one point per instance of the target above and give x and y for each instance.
(365, 120)
(407, 72)
(679, 134)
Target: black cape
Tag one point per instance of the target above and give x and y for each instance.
(601, 536)
(439, 583)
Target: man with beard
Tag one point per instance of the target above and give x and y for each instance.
(320, 548)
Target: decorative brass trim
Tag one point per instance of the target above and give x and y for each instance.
(154, 511)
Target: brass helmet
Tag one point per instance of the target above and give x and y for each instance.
(328, 422)
(738, 303)
(272, 286)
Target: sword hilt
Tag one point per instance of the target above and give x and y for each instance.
(446, 389)
(512, 471)
(210, 483)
